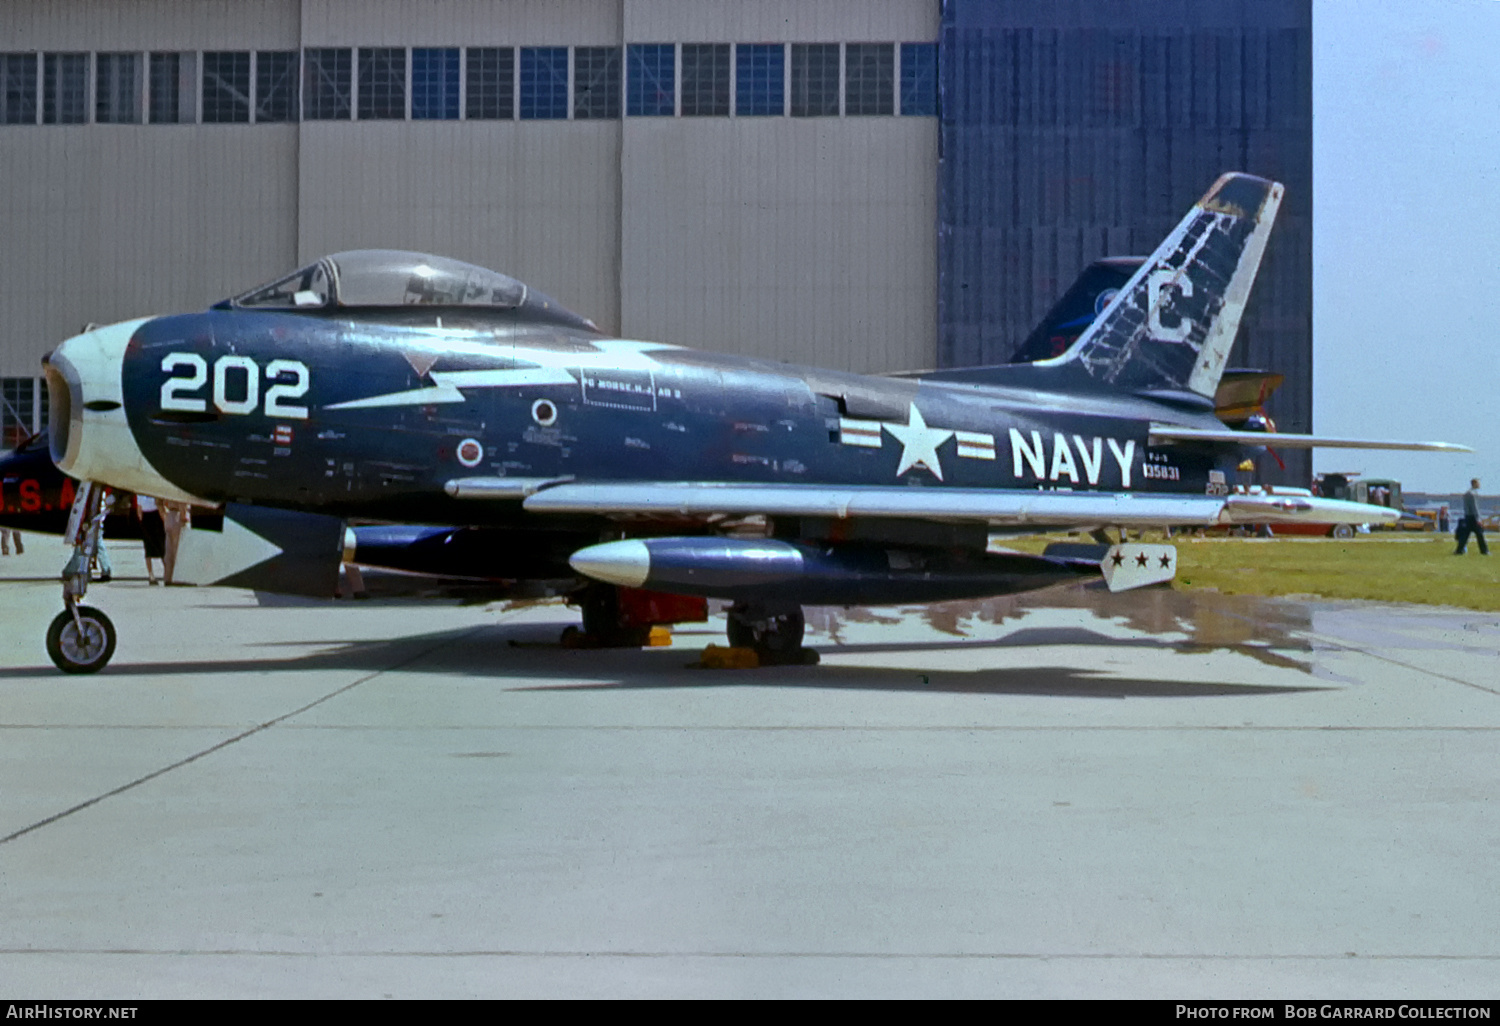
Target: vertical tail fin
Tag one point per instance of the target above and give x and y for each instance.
(1173, 323)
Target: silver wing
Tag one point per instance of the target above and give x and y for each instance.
(995, 507)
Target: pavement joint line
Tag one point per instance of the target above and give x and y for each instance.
(229, 741)
(1145, 956)
(678, 728)
(1406, 666)
(1344, 646)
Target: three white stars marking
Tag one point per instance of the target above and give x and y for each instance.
(919, 443)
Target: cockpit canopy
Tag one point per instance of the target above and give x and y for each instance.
(393, 278)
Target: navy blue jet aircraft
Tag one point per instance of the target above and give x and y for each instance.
(415, 390)
(35, 496)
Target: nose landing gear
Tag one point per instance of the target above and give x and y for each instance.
(81, 639)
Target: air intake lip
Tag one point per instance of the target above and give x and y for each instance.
(62, 385)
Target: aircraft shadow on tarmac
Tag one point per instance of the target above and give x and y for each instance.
(525, 657)
(1037, 637)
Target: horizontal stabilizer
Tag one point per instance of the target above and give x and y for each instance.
(1242, 393)
(1278, 440)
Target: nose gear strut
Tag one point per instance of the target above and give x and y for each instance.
(81, 639)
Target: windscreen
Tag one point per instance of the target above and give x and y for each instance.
(378, 277)
(308, 287)
(386, 279)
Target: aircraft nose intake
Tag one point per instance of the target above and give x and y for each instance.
(61, 398)
(86, 421)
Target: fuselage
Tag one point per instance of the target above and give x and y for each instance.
(373, 417)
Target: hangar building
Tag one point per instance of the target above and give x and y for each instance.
(768, 177)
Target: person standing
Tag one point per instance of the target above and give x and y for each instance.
(174, 517)
(5, 536)
(1471, 524)
(153, 533)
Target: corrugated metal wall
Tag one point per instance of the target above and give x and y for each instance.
(805, 239)
(1075, 130)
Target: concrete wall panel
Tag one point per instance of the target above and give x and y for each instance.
(461, 22)
(65, 25)
(797, 239)
(536, 200)
(803, 240)
(106, 222)
(771, 21)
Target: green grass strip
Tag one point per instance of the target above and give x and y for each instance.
(1382, 568)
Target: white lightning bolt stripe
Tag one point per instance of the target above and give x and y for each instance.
(610, 354)
(445, 388)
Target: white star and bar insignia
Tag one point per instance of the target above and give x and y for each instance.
(919, 443)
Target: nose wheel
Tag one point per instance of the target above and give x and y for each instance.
(81, 639)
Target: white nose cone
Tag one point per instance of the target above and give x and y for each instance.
(626, 563)
(90, 436)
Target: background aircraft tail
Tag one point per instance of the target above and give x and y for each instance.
(1077, 308)
(1171, 326)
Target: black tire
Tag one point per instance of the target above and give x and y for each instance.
(740, 633)
(601, 611)
(776, 637)
(87, 654)
(1343, 532)
(601, 620)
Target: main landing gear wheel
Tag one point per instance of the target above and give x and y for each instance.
(84, 645)
(776, 635)
(601, 620)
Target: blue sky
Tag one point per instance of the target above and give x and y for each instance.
(1406, 250)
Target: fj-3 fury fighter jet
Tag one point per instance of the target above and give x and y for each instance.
(411, 390)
